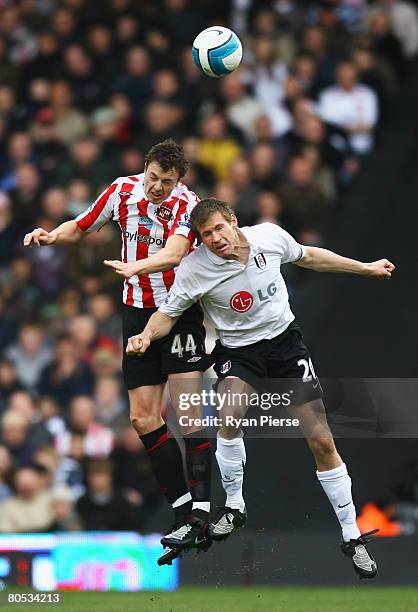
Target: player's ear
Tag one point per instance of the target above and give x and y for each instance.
(234, 221)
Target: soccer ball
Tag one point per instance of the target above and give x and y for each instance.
(217, 51)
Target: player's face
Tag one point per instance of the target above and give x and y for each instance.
(159, 184)
(219, 235)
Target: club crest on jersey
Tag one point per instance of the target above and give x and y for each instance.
(260, 261)
(164, 213)
(241, 301)
(125, 193)
(225, 367)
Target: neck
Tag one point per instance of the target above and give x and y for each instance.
(241, 248)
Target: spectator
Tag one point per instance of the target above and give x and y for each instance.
(79, 196)
(105, 129)
(9, 72)
(384, 42)
(85, 261)
(8, 230)
(133, 473)
(305, 210)
(64, 516)
(86, 161)
(29, 509)
(25, 196)
(66, 377)
(351, 107)
(162, 120)
(97, 439)
(136, 81)
(8, 382)
(111, 406)
(30, 355)
(103, 507)
(83, 332)
(5, 473)
(241, 109)
(269, 208)
(199, 177)
(102, 308)
(217, 149)
(404, 18)
(241, 179)
(69, 124)
(265, 166)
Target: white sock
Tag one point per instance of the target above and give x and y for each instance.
(337, 485)
(231, 457)
(203, 505)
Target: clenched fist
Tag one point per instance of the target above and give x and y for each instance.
(381, 269)
(137, 345)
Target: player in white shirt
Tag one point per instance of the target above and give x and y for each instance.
(235, 273)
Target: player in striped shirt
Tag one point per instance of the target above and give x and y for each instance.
(153, 212)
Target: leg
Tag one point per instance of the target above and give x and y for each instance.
(231, 457)
(331, 471)
(230, 452)
(163, 450)
(198, 447)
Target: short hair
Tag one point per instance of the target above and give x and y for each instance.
(99, 466)
(206, 208)
(168, 154)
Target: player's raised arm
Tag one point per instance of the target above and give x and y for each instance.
(71, 231)
(322, 260)
(64, 233)
(167, 258)
(184, 292)
(157, 327)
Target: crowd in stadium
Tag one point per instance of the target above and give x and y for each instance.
(86, 88)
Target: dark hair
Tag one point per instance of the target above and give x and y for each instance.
(99, 466)
(206, 208)
(168, 154)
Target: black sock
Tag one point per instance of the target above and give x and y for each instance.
(167, 464)
(199, 467)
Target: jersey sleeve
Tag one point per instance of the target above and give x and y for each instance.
(284, 244)
(182, 225)
(184, 292)
(99, 213)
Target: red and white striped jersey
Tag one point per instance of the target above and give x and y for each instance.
(145, 228)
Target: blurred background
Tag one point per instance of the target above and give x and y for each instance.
(316, 131)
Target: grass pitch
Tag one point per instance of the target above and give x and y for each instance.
(361, 598)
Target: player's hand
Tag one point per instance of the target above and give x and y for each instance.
(38, 237)
(381, 269)
(123, 269)
(137, 345)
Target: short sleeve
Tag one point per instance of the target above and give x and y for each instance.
(182, 225)
(283, 243)
(99, 213)
(184, 292)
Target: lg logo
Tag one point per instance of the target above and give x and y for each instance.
(241, 301)
(270, 291)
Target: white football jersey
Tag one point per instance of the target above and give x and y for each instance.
(246, 303)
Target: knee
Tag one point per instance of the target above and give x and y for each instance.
(322, 447)
(144, 422)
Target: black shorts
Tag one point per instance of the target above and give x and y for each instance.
(183, 350)
(281, 365)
